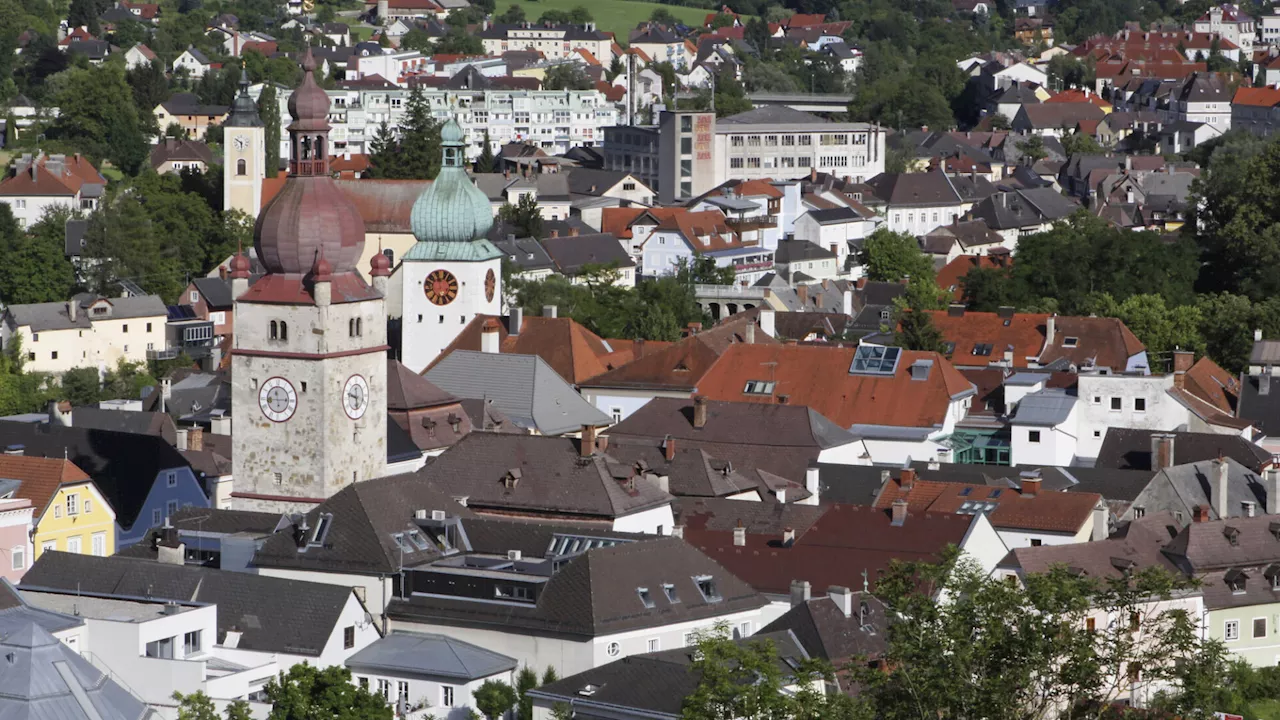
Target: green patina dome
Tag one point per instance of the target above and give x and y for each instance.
(453, 209)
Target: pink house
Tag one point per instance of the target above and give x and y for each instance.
(15, 538)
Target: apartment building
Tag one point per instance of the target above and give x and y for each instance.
(86, 331)
(556, 42)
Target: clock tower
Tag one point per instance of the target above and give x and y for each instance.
(452, 273)
(243, 154)
(309, 361)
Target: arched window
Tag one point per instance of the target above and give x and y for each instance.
(284, 330)
(241, 168)
(275, 330)
(351, 327)
(360, 327)
(319, 147)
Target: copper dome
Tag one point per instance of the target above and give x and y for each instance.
(380, 265)
(309, 104)
(309, 214)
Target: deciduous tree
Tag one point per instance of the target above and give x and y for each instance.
(307, 693)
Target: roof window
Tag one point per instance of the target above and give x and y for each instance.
(1070, 342)
(707, 586)
(645, 597)
(759, 387)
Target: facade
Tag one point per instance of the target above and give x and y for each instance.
(554, 41)
(67, 512)
(15, 538)
(86, 331)
(432, 675)
(309, 406)
(243, 155)
(40, 182)
(453, 273)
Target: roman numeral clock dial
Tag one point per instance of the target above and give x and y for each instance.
(277, 399)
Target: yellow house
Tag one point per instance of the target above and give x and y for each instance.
(70, 514)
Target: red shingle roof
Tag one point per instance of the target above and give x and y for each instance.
(40, 477)
(1045, 511)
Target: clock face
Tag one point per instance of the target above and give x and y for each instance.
(277, 399)
(241, 143)
(355, 397)
(490, 285)
(441, 287)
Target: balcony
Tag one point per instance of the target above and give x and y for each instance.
(166, 354)
(757, 222)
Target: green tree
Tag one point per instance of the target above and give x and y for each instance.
(987, 289)
(415, 152)
(890, 256)
(916, 331)
(1078, 143)
(526, 680)
(93, 119)
(663, 16)
(494, 698)
(1032, 148)
(127, 379)
(550, 675)
(1161, 328)
(567, 76)
(512, 15)
(123, 243)
(486, 162)
(307, 693)
(196, 706)
(269, 111)
(239, 710)
(81, 386)
(36, 268)
(525, 216)
(1236, 221)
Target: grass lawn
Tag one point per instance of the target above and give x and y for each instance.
(616, 16)
(360, 33)
(1266, 709)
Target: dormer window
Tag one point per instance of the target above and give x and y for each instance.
(645, 598)
(758, 387)
(707, 586)
(323, 523)
(1236, 579)
(1232, 535)
(1070, 342)
(670, 591)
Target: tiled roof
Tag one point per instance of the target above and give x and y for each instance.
(694, 472)
(1045, 511)
(429, 654)
(40, 477)
(384, 205)
(170, 149)
(820, 378)
(680, 365)
(745, 423)
(574, 352)
(1105, 341)
(948, 278)
(1257, 96)
(551, 478)
(407, 390)
(1141, 544)
(1025, 332)
(911, 189)
(1209, 382)
(572, 253)
(826, 632)
(1053, 116)
(1130, 449)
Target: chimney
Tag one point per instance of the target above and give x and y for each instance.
(767, 325)
(781, 496)
(739, 535)
(843, 598)
(60, 413)
(517, 318)
(802, 292)
(1050, 327)
(907, 479)
(602, 443)
(170, 549)
(700, 412)
(220, 425)
(1200, 513)
(588, 444)
(1264, 381)
(899, 513)
(490, 337)
(955, 310)
(677, 530)
(1219, 488)
(549, 311)
(788, 536)
(1030, 487)
(847, 307)
(1161, 451)
(555, 233)
(800, 592)
(72, 308)
(749, 334)
(1272, 487)
(811, 475)
(669, 448)
(195, 438)
(1101, 522)
(1182, 362)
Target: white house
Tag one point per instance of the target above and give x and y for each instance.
(40, 182)
(422, 674)
(193, 62)
(139, 56)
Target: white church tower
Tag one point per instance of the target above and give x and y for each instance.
(452, 273)
(310, 357)
(243, 154)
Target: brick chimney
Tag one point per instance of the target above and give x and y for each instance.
(899, 511)
(195, 438)
(907, 479)
(1030, 487)
(1161, 451)
(700, 411)
(669, 448)
(1182, 362)
(1200, 513)
(739, 535)
(588, 444)
(800, 592)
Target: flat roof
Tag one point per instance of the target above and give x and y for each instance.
(98, 608)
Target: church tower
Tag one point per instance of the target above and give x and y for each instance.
(452, 273)
(243, 154)
(309, 361)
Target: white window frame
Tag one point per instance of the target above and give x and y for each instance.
(75, 544)
(1231, 631)
(446, 696)
(98, 544)
(18, 557)
(73, 504)
(654, 645)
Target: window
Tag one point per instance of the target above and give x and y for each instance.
(655, 644)
(690, 638)
(99, 544)
(1033, 436)
(707, 586)
(73, 504)
(160, 648)
(171, 507)
(1116, 403)
(1070, 342)
(1036, 542)
(73, 544)
(446, 696)
(1139, 512)
(149, 325)
(52, 356)
(744, 629)
(645, 597)
(156, 518)
(18, 556)
(1231, 630)
(349, 637)
(195, 296)
(674, 597)
(241, 167)
(48, 545)
(384, 690)
(1260, 627)
(125, 327)
(57, 511)
(191, 643)
(171, 479)
(1090, 624)
(402, 693)
(736, 163)
(1139, 404)
(616, 413)
(758, 387)
(279, 478)
(364, 683)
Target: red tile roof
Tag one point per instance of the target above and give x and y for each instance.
(681, 366)
(574, 352)
(38, 178)
(1079, 96)
(819, 378)
(1045, 511)
(1210, 383)
(948, 278)
(1257, 96)
(40, 477)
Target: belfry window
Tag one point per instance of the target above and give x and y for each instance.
(241, 168)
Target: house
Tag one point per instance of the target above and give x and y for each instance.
(211, 537)
(16, 528)
(1031, 340)
(433, 418)
(575, 601)
(550, 190)
(528, 258)
(951, 276)
(560, 478)
(916, 203)
(964, 242)
(185, 111)
(826, 631)
(170, 155)
(574, 254)
(64, 508)
(192, 63)
(36, 183)
(139, 56)
(901, 402)
(1180, 136)
(661, 238)
(210, 298)
(138, 480)
(801, 261)
(1056, 120)
(1043, 425)
(86, 331)
(522, 387)
(782, 440)
(840, 230)
(653, 685)
(429, 671)
(1221, 488)
(1231, 23)
(1140, 449)
(1024, 516)
(1017, 213)
(259, 616)
(1255, 109)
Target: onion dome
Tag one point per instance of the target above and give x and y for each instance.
(239, 266)
(309, 104)
(380, 265)
(452, 209)
(310, 214)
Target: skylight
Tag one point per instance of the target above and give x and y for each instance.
(759, 387)
(982, 349)
(1070, 342)
(707, 586)
(875, 360)
(670, 590)
(645, 597)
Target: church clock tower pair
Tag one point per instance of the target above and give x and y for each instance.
(309, 361)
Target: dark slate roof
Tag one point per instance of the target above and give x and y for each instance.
(215, 291)
(127, 421)
(790, 251)
(735, 423)
(527, 253)
(573, 253)
(554, 478)
(123, 465)
(273, 614)
(826, 632)
(429, 655)
(74, 242)
(910, 189)
(835, 216)
(1023, 208)
(595, 594)
(94, 49)
(499, 535)
(694, 472)
(769, 114)
(225, 522)
(589, 181)
(649, 685)
(1130, 449)
(364, 518)
(1261, 410)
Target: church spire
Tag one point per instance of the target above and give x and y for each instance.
(244, 112)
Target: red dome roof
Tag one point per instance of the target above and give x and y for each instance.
(309, 214)
(380, 265)
(239, 265)
(309, 104)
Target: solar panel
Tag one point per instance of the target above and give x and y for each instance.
(875, 360)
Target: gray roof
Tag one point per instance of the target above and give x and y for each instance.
(790, 251)
(1023, 208)
(552, 477)
(47, 680)
(75, 237)
(1265, 352)
(273, 614)
(15, 612)
(1261, 409)
(767, 115)
(826, 632)
(550, 186)
(430, 655)
(1130, 449)
(215, 291)
(1048, 407)
(835, 216)
(523, 387)
(590, 181)
(912, 189)
(527, 253)
(53, 315)
(1191, 484)
(574, 252)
